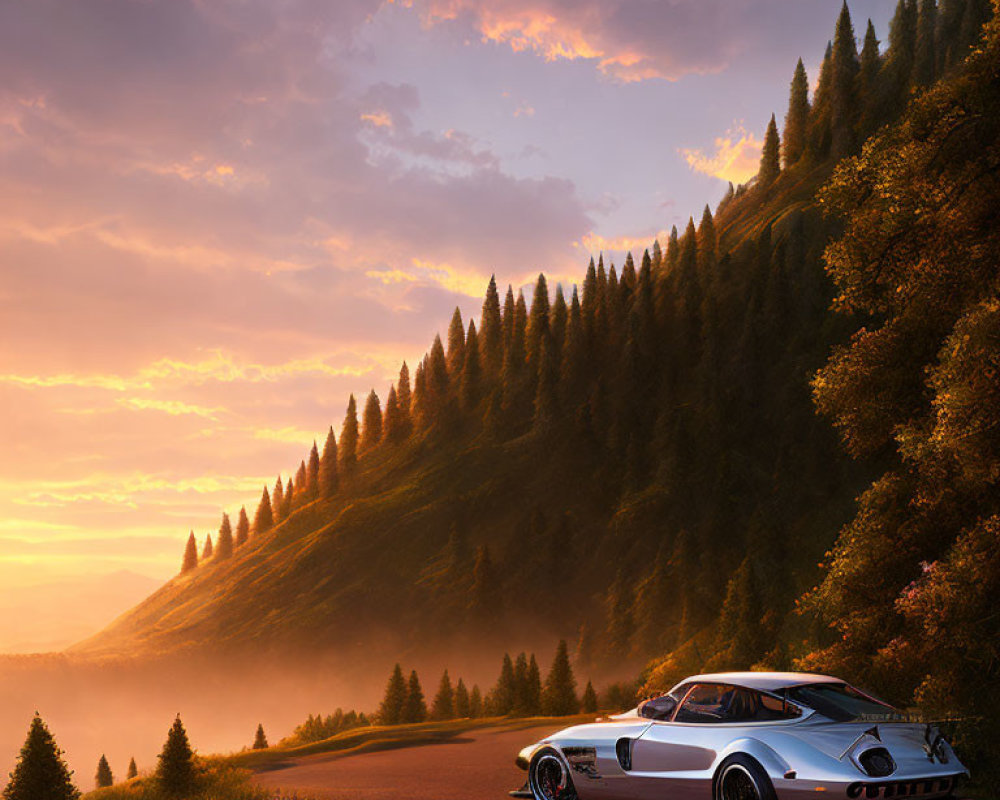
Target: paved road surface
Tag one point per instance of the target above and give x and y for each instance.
(477, 765)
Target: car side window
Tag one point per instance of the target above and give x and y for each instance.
(706, 703)
(747, 705)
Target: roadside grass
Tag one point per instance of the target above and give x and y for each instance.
(385, 737)
(228, 777)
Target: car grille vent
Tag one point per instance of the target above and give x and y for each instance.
(877, 762)
(623, 749)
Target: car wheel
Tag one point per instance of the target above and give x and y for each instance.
(549, 779)
(742, 778)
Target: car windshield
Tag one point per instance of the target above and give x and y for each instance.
(842, 703)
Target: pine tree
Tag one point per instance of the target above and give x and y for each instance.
(436, 413)
(444, 701)
(133, 770)
(190, 554)
(405, 399)
(538, 321)
(371, 433)
(820, 116)
(415, 709)
(707, 240)
(900, 57)
(394, 701)
(259, 739)
(328, 466)
(207, 550)
(925, 56)
(312, 473)
(278, 500)
(533, 688)
(770, 158)
(286, 502)
(392, 420)
(263, 520)
(175, 771)
(868, 83)
(224, 549)
(462, 707)
(456, 344)
(797, 118)
(491, 333)
(470, 384)
(588, 703)
(242, 528)
(504, 695)
(104, 777)
(475, 703)
(301, 494)
(40, 773)
(348, 448)
(558, 319)
(520, 704)
(844, 86)
(559, 696)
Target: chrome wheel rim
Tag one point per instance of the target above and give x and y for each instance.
(737, 784)
(549, 779)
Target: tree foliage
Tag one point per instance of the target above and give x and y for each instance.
(40, 772)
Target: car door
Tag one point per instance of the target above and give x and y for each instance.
(674, 758)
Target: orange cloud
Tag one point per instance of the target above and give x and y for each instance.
(380, 119)
(734, 159)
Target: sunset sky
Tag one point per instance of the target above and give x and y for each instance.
(218, 218)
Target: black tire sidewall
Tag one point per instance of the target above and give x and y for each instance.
(534, 763)
(765, 789)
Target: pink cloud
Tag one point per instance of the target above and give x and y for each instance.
(629, 40)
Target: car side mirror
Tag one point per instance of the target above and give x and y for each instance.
(658, 708)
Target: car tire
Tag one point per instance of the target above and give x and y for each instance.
(740, 777)
(549, 778)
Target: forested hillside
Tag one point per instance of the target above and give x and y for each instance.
(638, 463)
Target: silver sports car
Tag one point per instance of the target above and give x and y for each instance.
(746, 736)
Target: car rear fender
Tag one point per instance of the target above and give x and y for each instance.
(774, 765)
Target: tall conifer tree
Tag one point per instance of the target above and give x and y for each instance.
(104, 777)
(559, 695)
(405, 398)
(312, 473)
(225, 540)
(175, 771)
(797, 118)
(328, 466)
(208, 550)
(242, 527)
(844, 86)
(444, 701)
(263, 520)
(456, 344)
(491, 333)
(392, 421)
(538, 321)
(133, 770)
(190, 554)
(770, 158)
(40, 773)
(348, 447)
(278, 500)
(470, 385)
(925, 56)
(394, 701)
(371, 433)
(415, 708)
(462, 708)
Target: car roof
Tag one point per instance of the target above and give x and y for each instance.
(763, 681)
